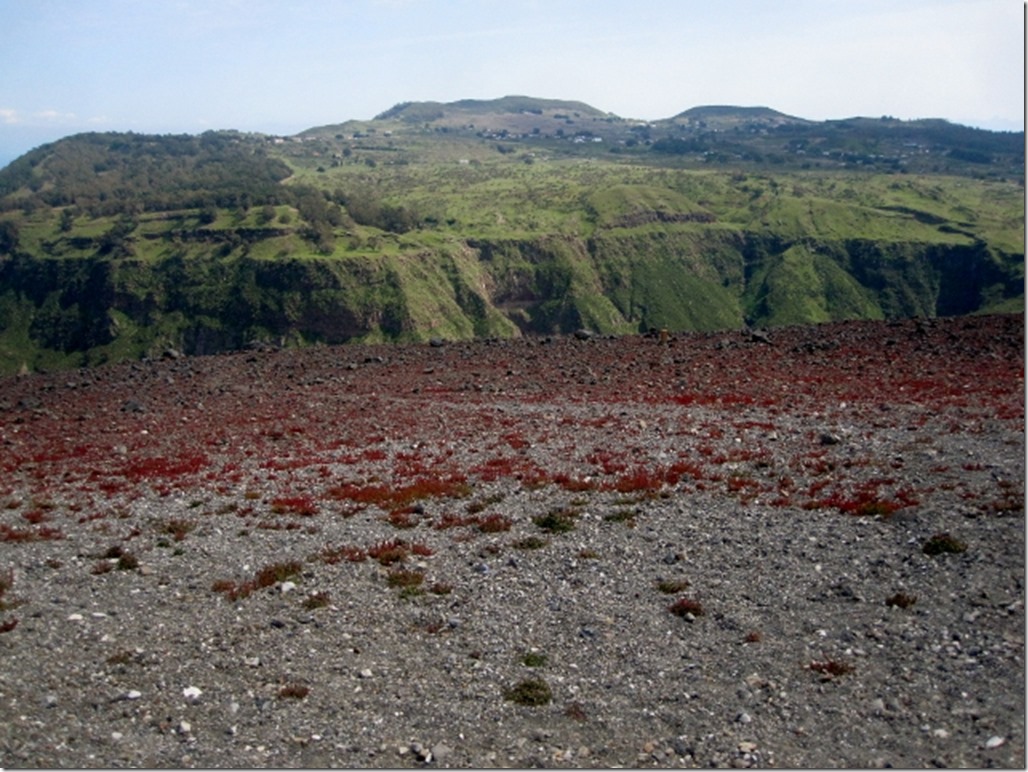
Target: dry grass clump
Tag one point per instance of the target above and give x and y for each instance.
(943, 543)
(293, 692)
(177, 528)
(530, 543)
(687, 606)
(672, 586)
(6, 582)
(267, 576)
(317, 600)
(831, 668)
(404, 578)
(901, 600)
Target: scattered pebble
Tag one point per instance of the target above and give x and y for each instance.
(627, 676)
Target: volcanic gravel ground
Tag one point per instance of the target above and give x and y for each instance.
(800, 548)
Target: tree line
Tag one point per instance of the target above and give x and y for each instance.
(124, 175)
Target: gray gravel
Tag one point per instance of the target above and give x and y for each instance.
(797, 659)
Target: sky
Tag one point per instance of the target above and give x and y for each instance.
(282, 66)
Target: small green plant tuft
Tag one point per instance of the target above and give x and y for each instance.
(403, 578)
(559, 520)
(534, 659)
(532, 692)
(943, 543)
(626, 516)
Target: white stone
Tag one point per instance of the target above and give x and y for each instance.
(133, 694)
(994, 742)
(287, 587)
(191, 693)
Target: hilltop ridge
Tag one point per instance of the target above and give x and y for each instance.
(499, 218)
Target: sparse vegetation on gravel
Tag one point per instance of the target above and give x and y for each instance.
(801, 548)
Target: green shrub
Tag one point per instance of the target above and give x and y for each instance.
(942, 543)
(530, 691)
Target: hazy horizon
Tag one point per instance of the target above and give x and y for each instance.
(278, 68)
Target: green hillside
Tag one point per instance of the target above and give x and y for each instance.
(499, 218)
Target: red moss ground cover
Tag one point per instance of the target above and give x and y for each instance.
(324, 432)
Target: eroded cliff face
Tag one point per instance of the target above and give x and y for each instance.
(56, 311)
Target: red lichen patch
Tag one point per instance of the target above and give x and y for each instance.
(394, 497)
(267, 576)
(389, 552)
(294, 692)
(159, 467)
(494, 523)
(831, 668)
(303, 506)
(347, 552)
(793, 424)
(687, 606)
(42, 533)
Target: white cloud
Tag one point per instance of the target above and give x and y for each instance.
(55, 116)
(9, 116)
